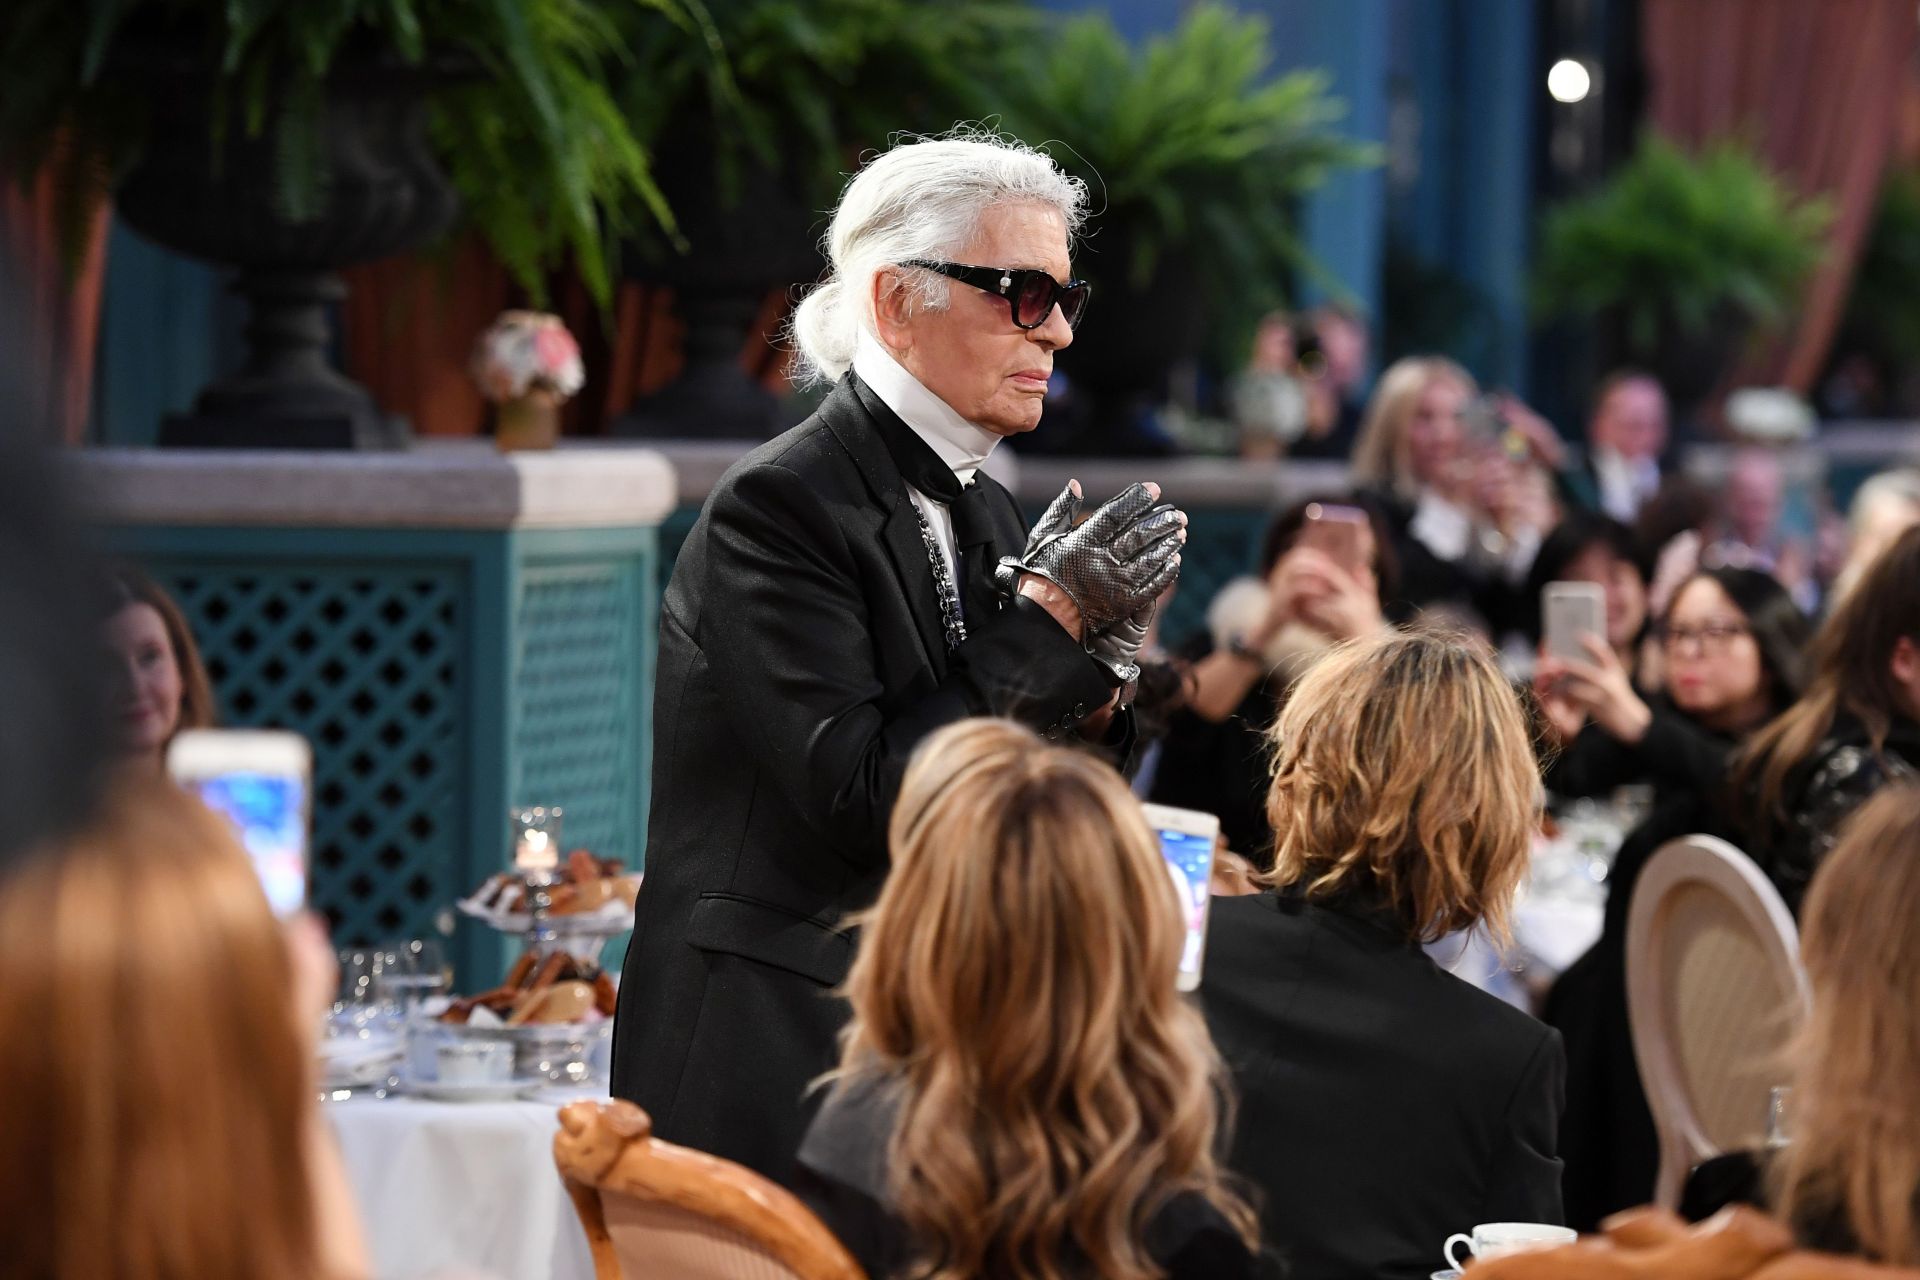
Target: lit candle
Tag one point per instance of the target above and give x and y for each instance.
(536, 852)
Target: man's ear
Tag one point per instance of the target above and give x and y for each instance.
(892, 310)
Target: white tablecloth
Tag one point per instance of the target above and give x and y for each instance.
(460, 1189)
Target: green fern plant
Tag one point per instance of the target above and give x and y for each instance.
(1681, 245)
(1193, 144)
(803, 86)
(526, 125)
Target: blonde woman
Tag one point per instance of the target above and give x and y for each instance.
(157, 1089)
(1848, 1180)
(1466, 512)
(1021, 1093)
(1386, 1103)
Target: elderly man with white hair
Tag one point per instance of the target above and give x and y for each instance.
(850, 587)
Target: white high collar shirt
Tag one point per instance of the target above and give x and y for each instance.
(957, 442)
(1625, 485)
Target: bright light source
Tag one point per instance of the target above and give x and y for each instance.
(1569, 81)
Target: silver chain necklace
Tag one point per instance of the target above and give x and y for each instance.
(951, 620)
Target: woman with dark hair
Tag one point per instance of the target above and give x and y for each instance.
(1585, 547)
(1857, 726)
(163, 686)
(1732, 643)
(1262, 634)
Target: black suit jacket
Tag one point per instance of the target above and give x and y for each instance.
(802, 659)
(1383, 1103)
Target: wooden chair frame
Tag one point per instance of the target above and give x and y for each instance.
(1697, 860)
(609, 1148)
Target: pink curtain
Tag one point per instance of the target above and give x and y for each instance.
(1820, 86)
(64, 303)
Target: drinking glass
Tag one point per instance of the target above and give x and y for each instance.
(406, 973)
(1779, 1115)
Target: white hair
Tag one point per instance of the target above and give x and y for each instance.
(923, 199)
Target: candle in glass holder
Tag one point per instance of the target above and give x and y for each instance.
(536, 839)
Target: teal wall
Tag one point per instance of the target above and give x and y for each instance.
(442, 677)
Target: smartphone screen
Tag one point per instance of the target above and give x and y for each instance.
(259, 782)
(1335, 532)
(1570, 611)
(1186, 842)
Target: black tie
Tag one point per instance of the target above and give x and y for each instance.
(973, 535)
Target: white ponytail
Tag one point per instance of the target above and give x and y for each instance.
(923, 199)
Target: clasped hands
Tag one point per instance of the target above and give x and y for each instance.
(1111, 567)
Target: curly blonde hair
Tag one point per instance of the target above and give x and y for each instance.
(1403, 775)
(1016, 980)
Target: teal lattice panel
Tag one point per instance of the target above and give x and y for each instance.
(366, 662)
(1222, 544)
(578, 740)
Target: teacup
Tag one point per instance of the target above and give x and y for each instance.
(1492, 1239)
(474, 1061)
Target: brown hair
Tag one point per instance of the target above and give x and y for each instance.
(153, 1089)
(1403, 776)
(1017, 978)
(131, 587)
(1851, 662)
(1380, 451)
(1856, 1083)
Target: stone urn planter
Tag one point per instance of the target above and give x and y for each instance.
(383, 193)
(737, 253)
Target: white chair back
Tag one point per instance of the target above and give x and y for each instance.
(1714, 990)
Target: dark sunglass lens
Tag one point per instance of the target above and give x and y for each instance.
(1034, 300)
(1073, 304)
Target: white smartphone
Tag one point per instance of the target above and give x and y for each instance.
(260, 780)
(1568, 612)
(1187, 839)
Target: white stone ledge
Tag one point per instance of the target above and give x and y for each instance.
(434, 485)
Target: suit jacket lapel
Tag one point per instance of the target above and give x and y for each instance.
(850, 418)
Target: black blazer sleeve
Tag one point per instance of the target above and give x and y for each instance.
(785, 614)
(1524, 1182)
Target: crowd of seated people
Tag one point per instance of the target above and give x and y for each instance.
(1022, 1091)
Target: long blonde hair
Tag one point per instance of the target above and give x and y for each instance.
(153, 1092)
(1380, 454)
(1856, 1080)
(1403, 777)
(1016, 978)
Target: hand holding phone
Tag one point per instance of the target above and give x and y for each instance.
(261, 781)
(1187, 840)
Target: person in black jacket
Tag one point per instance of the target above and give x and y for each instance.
(1021, 1090)
(1857, 727)
(1732, 641)
(849, 588)
(1385, 1103)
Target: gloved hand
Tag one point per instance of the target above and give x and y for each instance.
(1118, 647)
(1121, 557)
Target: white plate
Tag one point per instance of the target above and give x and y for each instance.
(478, 1091)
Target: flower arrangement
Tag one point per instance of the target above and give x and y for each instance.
(527, 351)
(529, 365)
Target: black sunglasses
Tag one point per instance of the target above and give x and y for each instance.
(1030, 293)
